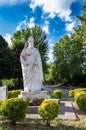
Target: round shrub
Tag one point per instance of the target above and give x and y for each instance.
(13, 93)
(48, 110)
(71, 93)
(57, 93)
(14, 109)
(80, 98)
(79, 90)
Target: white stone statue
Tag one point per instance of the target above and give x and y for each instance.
(31, 67)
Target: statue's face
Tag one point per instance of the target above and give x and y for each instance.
(31, 42)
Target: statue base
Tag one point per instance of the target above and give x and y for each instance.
(34, 95)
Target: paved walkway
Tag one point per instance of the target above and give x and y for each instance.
(66, 109)
(66, 112)
(51, 88)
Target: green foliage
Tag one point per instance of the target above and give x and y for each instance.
(76, 91)
(83, 21)
(69, 54)
(10, 83)
(0, 105)
(71, 93)
(61, 56)
(80, 98)
(48, 110)
(13, 93)
(5, 54)
(49, 78)
(57, 93)
(14, 109)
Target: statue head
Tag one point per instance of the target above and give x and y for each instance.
(31, 42)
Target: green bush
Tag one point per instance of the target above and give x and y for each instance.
(71, 93)
(48, 110)
(79, 90)
(14, 109)
(13, 93)
(57, 93)
(80, 99)
(10, 83)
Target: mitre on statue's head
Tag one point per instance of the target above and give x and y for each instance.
(31, 39)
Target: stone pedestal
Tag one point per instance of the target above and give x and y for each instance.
(34, 95)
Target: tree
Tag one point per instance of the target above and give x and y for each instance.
(83, 22)
(76, 55)
(5, 59)
(61, 55)
(70, 54)
(69, 57)
(49, 77)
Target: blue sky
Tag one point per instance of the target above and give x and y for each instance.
(55, 17)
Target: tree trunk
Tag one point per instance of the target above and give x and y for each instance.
(48, 123)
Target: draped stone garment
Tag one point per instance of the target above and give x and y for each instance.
(31, 69)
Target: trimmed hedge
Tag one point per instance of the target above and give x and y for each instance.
(14, 109)
(80, 99)
(48, 110)
(72, 93)
(57, 93)
(13, 93)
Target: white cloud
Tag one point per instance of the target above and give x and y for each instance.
(25, 23)
(11, 2)
(46, 27)
(69, 34)
(8, 39)
(32, 19)
(69, 26)
(21, 24)
(54, 7)
(31, 22)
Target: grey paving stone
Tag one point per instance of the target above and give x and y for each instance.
(66, 112)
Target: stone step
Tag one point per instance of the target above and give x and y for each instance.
(33, 95)
(34, 109)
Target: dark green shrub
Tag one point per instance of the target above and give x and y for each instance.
(14, 109)
(57, 93)
(80, 99)
(13, 93)
(48, 110)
